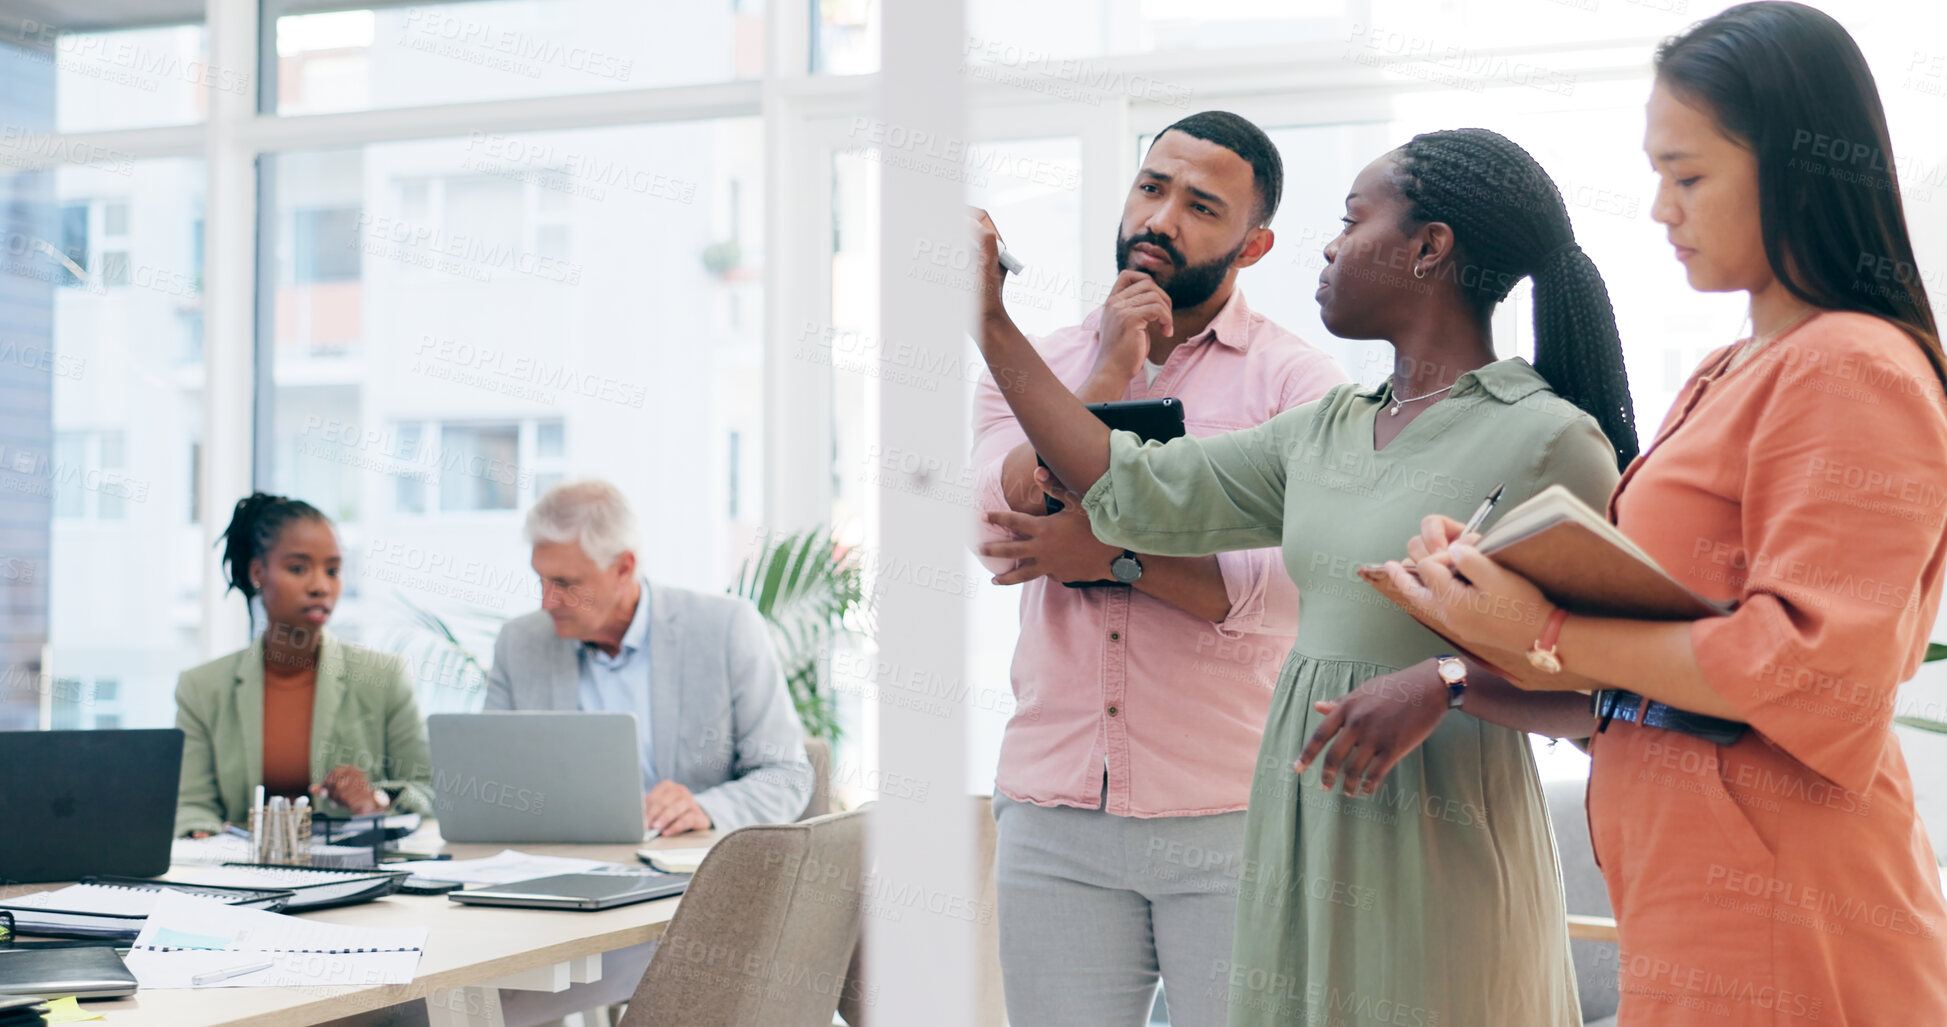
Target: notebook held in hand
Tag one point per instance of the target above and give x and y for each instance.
(1580, 562)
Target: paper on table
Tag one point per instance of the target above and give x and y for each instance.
(302, 952)
(392, 821)
(91, 898)
(424, 838)
(68, 1010)
(504, 867)
(676, 861)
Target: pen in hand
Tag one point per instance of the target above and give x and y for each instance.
(1474, 522)
(1481, 512)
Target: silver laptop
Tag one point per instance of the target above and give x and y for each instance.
(603, 890)
(87, 972)
(536, 777)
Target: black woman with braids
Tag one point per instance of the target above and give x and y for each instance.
(1398, 865)
(300, 711)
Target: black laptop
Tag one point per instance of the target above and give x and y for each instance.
(76, 803)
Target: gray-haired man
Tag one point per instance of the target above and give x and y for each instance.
(721, 744)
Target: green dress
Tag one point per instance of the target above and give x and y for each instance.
(1436, 901)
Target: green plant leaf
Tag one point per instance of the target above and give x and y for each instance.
(1937, 727)
(447, 675)
(809, 591)
(1935, 651)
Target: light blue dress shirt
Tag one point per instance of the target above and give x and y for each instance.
(620, 683)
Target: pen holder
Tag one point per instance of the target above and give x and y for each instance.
(281, 836)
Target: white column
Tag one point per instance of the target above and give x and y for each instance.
(797, 286)
(921, 900)
(229, 304)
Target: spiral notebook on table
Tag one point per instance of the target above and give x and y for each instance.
(187, 937)
(116, 907)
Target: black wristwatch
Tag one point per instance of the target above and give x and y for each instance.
(1454, 673)
(1126, 568)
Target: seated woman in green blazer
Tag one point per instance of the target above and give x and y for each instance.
(300, 711)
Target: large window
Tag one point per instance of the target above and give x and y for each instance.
(448, 324)
(100, 336)
(462, 322)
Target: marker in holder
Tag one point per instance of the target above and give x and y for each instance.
(282, 833)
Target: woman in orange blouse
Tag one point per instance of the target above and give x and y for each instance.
(1782, 878)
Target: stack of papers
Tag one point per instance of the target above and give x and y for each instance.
(504, 867)
(186, 937)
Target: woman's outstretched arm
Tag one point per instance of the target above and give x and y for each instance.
(1073, 442)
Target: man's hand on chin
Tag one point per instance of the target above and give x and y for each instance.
(669, 808)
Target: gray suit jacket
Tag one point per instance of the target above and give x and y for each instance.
(720, 715)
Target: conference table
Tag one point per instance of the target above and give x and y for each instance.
(472, 952)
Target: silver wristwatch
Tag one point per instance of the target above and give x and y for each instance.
(1454, 673)
(1126, 568)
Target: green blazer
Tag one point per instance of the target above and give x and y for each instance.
(363, 714)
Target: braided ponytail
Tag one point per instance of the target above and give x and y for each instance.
(1509, 223)
(254, 526)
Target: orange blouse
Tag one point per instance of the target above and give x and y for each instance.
(1786, 879)
(287, 736)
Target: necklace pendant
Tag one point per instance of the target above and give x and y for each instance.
(1394, 412)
